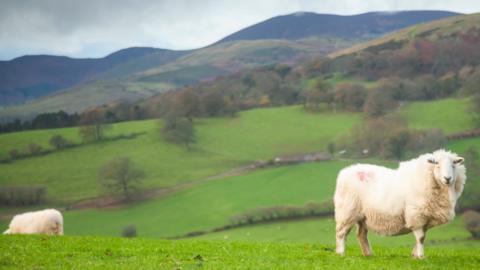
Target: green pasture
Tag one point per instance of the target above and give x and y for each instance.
(322, 231)
(211, 204)
(451, 115)
(222, 144)
(40, 252)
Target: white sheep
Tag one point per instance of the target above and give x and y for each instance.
(48, 221)
(417, 196)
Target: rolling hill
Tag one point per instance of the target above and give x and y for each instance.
(200, 65)
(141, 73)
(223, 144)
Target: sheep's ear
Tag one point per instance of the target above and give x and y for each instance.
(459, 160)
(432, 160)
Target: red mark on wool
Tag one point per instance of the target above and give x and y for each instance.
(364, 176)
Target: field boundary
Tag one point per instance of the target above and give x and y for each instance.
(255, 223)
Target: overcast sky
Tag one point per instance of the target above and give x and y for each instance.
(95, 28)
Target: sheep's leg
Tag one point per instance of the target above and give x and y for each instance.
(419, 239)
(343, 228)
(362, 233)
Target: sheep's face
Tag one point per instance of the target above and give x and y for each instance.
(444, 168)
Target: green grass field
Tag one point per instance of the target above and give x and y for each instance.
(41, 252)
(72, 174)
(460, 146)
(322, 231)
(340, 78)
(450, 115)
(223, 143)
(212, 204)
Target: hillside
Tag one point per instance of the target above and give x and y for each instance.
(211, 204)
(436, 30)
(39, 252)
(362, 26)
(142, 78)
(446, 49)
(223, 143)
(30, 77)
(162, 70)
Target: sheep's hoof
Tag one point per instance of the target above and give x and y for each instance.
(419, 257)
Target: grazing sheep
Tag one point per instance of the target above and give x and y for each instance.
(417, 196)
(48, 221)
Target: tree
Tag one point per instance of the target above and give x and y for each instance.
(264, 101)
(378, 103)
(396, 144)
(472, 84)
(212, 104)
(178, 130)
(282, 70)
(319, 93)
(331, 148)
(249, 81)
(121, 176)
(350, 97)
(34, 149)
(185, 103)
(93, 125)
(14, 154)
(58, 141)
(380, 136)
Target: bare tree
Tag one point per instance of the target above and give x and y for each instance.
(121, 175)
(93, 125)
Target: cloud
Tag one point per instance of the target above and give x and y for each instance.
(97, 28)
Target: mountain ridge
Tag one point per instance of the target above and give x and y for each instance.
(362, 25)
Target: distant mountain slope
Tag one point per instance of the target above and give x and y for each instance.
(131, 75)
(306, 24)
(448, 50)
(436, 30)
(200, 65)
(30, 77)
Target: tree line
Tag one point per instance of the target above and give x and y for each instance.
(42, 121)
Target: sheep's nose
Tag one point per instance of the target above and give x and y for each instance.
(448, 178)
